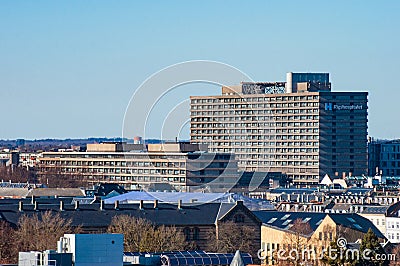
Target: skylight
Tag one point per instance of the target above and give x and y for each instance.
(288, 227)
(306, 220)
(285, 217)
(272, 220)
(351, 219)
(358, 226)
(319, 222)
(286, 222)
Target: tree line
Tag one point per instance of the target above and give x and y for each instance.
(38, 233)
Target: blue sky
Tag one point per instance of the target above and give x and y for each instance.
(68, 69)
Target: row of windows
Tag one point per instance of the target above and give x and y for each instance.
(391, 236)
(114, 163)
(278, 156)
(278, 144)
(390, 147)
(244, 162)
(122, 156)
(249, 98)
(390, 156)
(258, 106)
(393, 225)
(117, 170)
(377, 221)
(135, 178)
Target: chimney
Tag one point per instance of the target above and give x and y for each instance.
(179, 204)
(239, 202)
(155, 204)
(116, 204)
(141, 205)
(61, 205)
(36, 206)
(21, 206)
(76, 205)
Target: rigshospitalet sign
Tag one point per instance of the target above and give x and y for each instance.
(330, 107)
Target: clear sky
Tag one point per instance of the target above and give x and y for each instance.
(68, 69)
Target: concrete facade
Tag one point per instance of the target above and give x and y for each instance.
(161, 164)
(305, 134)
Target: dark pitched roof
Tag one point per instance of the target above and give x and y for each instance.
(281, 220)
(90, 215)
(45, 200)
(356, 222)
(104, 189)
(60, 192)
(393, 209)
(375, 209)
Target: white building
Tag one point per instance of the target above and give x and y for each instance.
(29, 159)
(393, 229)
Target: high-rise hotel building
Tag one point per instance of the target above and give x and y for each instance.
(298, 127)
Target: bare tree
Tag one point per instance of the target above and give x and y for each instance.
(41, 233)
(296, 239)
(8, 252)
(16, 174)
(396, 260)
(348, 233)
(170, 238)
(230, 237)
(141, 235)
(56, 178)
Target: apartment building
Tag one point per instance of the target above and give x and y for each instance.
(182, 166)
(298, 127)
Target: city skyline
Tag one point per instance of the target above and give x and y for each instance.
(69, 69)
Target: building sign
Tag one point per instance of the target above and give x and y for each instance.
(330, 107)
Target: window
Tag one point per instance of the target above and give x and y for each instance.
(239, 218)
(196, 233)
(186, 232)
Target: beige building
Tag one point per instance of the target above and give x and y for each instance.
(299, 127)
(182, 166)
(310, 232)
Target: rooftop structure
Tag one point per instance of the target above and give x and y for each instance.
(184, 258)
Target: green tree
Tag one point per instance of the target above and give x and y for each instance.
(371, 251)
(338, 256)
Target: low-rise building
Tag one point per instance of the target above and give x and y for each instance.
(183, 166)
(312, 231)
